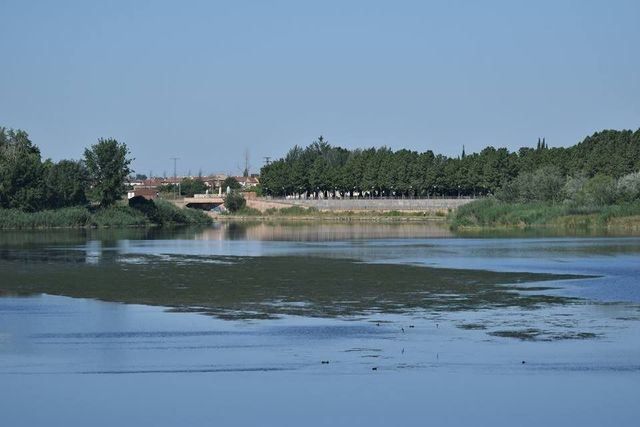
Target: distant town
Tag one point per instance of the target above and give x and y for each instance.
(152, 187)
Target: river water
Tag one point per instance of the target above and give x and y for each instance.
(318, 324)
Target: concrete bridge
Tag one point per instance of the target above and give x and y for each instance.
(205, 202)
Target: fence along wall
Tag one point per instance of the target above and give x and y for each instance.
(424, 205)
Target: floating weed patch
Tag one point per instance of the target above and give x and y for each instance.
(472, 326)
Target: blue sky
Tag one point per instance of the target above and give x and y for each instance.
(204, 80)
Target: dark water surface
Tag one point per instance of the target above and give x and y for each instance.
(231, 325)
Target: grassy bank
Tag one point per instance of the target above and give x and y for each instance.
(298, 213)
(158, 213)
(491, 213)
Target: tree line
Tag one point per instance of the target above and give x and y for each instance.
(29, 183)
(321, 168)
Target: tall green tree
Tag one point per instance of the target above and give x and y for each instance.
(231, 183)
(21, 172)
(108, 165)
(66, 183)
(189, 187)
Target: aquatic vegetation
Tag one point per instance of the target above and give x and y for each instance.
(263, 287)
(533, 334)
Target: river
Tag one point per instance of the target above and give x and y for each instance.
(318, 324)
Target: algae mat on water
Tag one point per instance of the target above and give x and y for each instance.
(263, 287)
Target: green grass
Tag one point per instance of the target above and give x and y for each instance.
(245, 211)
(293, 211)
(120, 216)
(301, 212)
(163, 214)
(493, 213)
(66, 217)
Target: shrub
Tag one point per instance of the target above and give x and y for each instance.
(628, 187)
(234, 201)
(196, 217)
(170, 214)
(600, 190)
(573, 189)
(247, 211)
(147, 207)
(542, 185)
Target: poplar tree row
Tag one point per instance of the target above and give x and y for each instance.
(323, 168)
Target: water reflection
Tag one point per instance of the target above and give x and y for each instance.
(313, 232)
(261, 270)
(440, 337)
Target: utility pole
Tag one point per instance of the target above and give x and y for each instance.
(175, 175)
(246, 172)
(267, 160)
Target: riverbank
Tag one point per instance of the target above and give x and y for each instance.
(151, 214)
(493, 214)
(297, 213)
(478, 216)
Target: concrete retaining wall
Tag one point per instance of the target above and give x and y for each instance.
(423, 205)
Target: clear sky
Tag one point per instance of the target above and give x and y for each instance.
(204, 80)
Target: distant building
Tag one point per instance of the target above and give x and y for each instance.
(214, 181)
(247, 181)
(146, 183)
(147, 193)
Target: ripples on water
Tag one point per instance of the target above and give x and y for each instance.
(282, 299)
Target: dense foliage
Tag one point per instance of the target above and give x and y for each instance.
(187, 188)
(66, 183)
(321, 167)
(491, 212)
(39, 194)
(191, 186)
(22, 183)
(30, 184)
